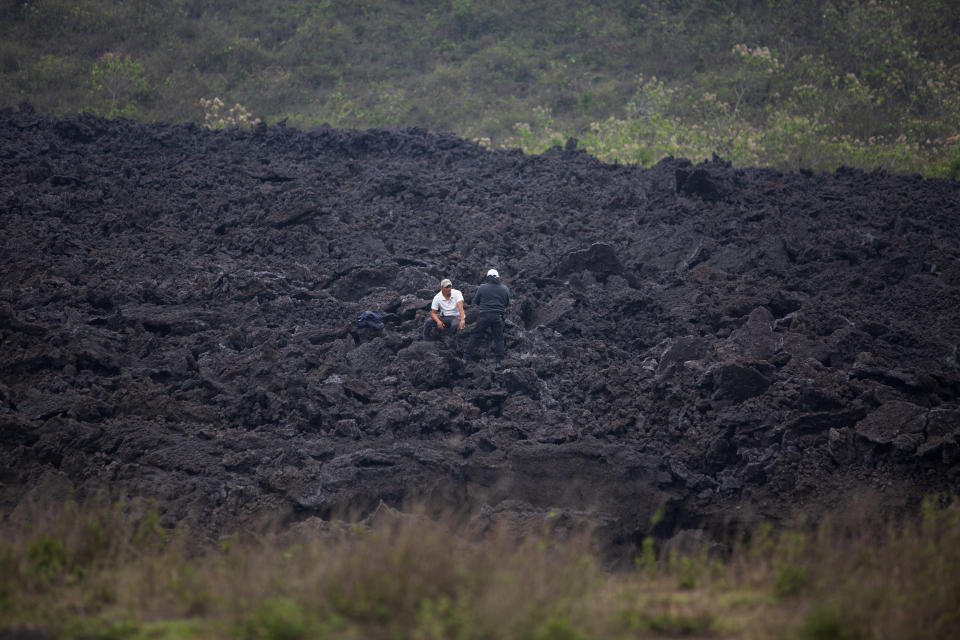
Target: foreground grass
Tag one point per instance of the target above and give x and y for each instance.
(113, 572)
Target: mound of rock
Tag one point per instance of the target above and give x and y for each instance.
(177, 313)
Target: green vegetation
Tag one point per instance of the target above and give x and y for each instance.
(110, 571)
(815, 84)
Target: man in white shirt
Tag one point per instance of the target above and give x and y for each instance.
(446, 311)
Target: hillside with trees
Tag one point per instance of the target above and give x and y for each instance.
(816, 85)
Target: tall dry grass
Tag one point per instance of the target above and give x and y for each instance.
(109, 570)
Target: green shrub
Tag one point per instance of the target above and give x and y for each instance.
(189, 588)
(663, 619)
(953, 169)
(558, 627)
(679, 624)
(647, 560)
(117, 86)
(791, 580)
(47, 556)
(444, 617)
(96, 629)
(827, 622)
(277, 618)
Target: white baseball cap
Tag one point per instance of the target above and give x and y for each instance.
(493, 272)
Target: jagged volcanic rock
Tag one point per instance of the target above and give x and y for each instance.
(177, 307)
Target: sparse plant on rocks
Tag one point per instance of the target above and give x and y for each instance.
(217, 115)
(117, 83)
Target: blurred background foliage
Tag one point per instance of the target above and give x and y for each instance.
(816, 84)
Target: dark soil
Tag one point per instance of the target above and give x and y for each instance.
(177, 313)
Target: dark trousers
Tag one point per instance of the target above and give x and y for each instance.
(431, 332)
(486, 321)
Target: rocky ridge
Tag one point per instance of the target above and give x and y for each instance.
(177, 307)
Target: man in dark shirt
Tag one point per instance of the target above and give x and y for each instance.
(492, 299)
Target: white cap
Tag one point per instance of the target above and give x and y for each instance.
(493, 272)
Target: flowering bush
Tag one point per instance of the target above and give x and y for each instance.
(216, 115)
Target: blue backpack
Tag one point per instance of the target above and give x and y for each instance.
(370, 319)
